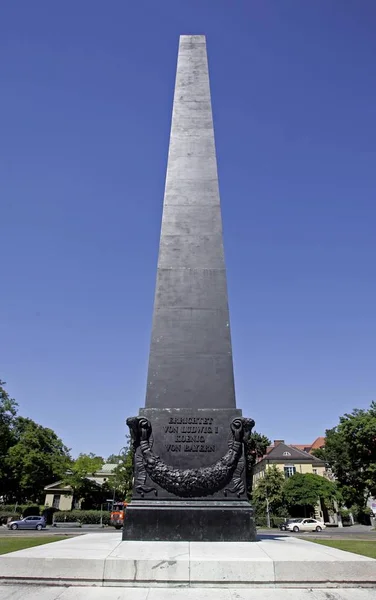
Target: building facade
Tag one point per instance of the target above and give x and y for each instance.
(289, 459)
(60, 496)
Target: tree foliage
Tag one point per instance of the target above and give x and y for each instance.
(319, 453)
(113, 459)
(36, 458)
(308, 489)
(256, 448)
(8, 412)
(268, 492)
(80, 477)
(121, 483)
(350, 451)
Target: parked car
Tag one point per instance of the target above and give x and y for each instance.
(283, 526)
(28, 523)
(305, 525)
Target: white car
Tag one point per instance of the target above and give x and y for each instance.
(305, 525)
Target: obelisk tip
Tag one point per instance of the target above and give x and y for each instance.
(192, 39)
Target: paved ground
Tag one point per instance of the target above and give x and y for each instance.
(356, 532)
(145, 567)
(97, 559)
(26, 592)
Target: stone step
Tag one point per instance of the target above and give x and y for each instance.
(104, 560)
(28, 592)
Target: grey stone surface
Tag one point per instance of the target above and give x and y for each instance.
(269, 563)
(28, 592)
(190, 362)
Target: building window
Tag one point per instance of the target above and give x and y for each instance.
(56, 501)
(314, 471)
(287, 454)
(289, 471)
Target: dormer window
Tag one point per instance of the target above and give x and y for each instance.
(287, 454)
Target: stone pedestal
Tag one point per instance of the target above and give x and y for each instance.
(190, 477)
(189, 440)
(190, 521)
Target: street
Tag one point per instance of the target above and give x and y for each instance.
(4, 531)
(356, 532)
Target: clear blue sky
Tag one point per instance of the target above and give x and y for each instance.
(85, 110)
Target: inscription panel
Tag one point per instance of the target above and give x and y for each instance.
(186, 438)
(191, 434)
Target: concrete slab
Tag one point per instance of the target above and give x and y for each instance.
(80, 593)
(29, 592)
(104, 560)
(77, 560)
(299, 594)
(321, 564)
(33, 592)
(148, 563)
(230, 562)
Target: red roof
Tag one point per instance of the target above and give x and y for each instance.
(318, 443)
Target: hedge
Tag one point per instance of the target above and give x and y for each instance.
(5, 515)
(277, 521)
(32, 510)
(274, 521)
(22, 509)
(85, 517)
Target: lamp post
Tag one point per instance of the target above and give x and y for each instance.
(267, 513)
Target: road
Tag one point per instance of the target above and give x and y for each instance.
(4, 531)
(357, 532)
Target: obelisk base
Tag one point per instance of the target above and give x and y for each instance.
(199, 521)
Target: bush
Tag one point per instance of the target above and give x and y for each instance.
(13, 508)
(363, 515)
(277, 521)
(85, 517)
(260, 520)
(31, 510)
(345, 516)
(21, 509)
(5, 515)
(48, 514)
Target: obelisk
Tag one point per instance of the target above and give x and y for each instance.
(189, 440)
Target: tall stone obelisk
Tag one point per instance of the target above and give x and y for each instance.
(189, 439)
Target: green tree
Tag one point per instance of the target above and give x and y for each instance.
(121, 483)
(350, 451)
(113, 459)
(80, 476)
(267, 497)
(8, 412)
(308, 490)
(320, 453)
(36, 458)
(255, 449)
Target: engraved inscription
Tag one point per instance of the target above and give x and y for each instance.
(190, 434)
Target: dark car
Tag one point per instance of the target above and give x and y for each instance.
(283, 526)
(28, 523)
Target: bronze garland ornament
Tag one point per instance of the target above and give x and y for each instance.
(190, 483)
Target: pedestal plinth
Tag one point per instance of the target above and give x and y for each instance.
(190, 521)
(190, 476)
